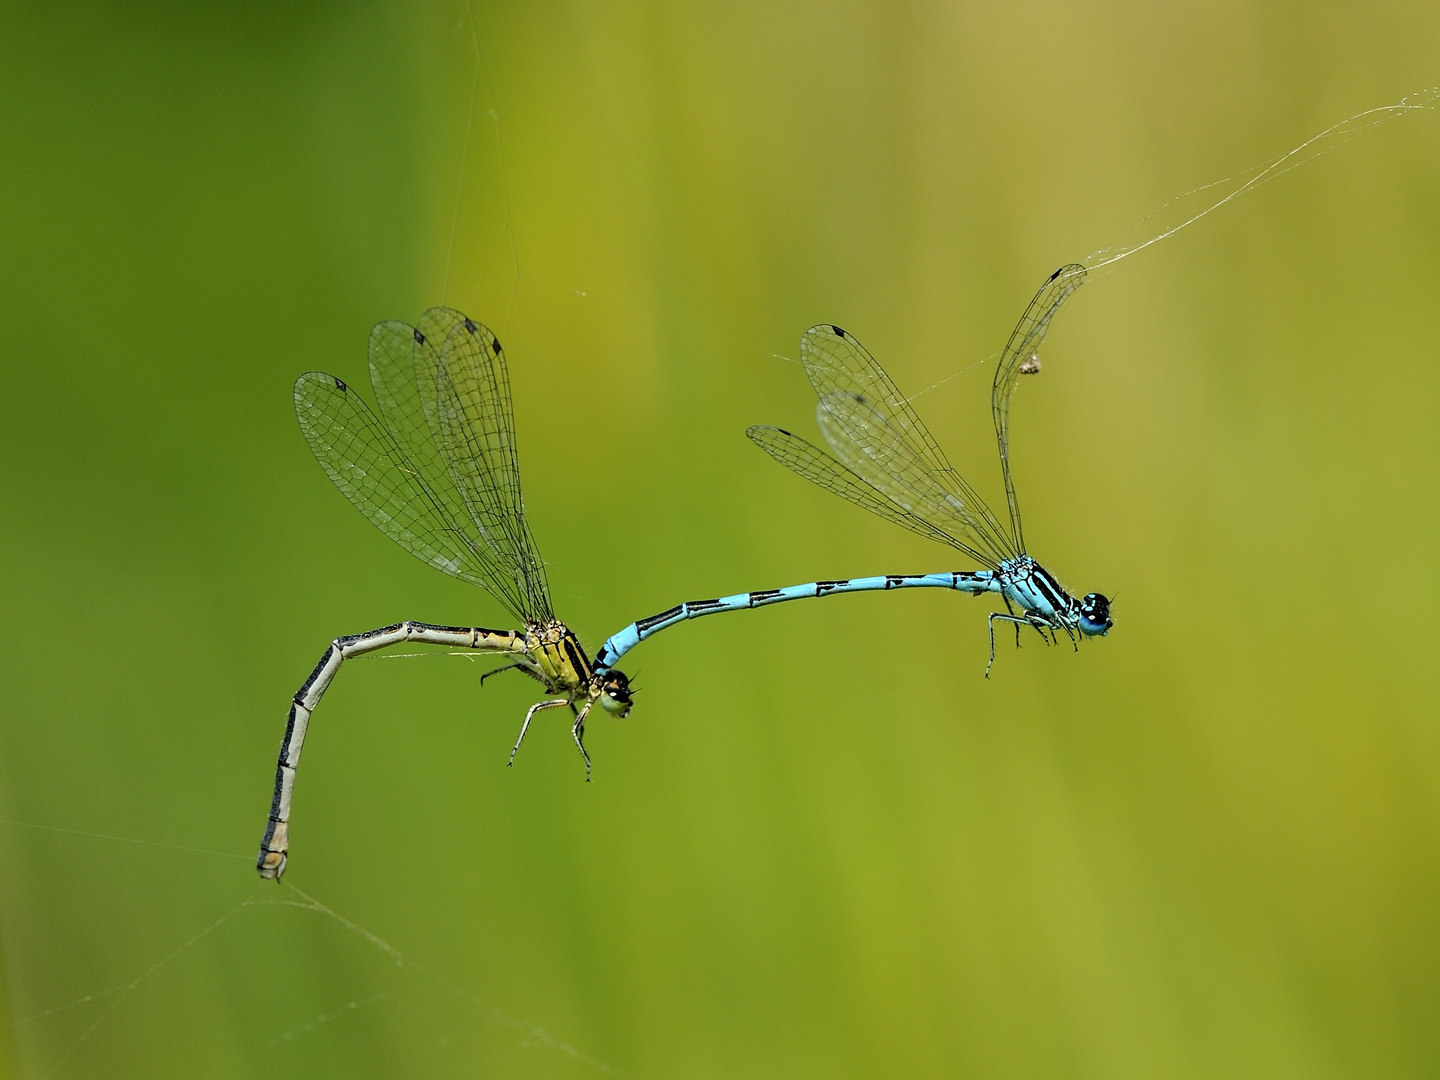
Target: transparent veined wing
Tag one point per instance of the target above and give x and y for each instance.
(1024, 343)
(877, 434)
(370, 467)
(919, 493)
(820, 468)
(397, 352)
(474, 428)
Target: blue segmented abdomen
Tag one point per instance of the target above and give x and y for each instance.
(617, 645)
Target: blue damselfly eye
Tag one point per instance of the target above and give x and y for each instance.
(1095, 615)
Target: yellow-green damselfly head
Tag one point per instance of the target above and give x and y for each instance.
(615, 693)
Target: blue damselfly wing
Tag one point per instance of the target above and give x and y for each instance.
(820, 468)
(885, 459)
(1021, 350)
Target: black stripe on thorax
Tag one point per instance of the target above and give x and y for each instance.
(576, 656)
(1057, 597)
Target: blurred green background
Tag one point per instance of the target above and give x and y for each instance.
(822, 845)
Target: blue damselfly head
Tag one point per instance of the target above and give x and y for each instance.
(615, 694)
(1095, 615)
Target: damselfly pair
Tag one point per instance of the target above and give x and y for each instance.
(436, 471)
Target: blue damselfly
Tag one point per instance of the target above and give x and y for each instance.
(886, 461)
